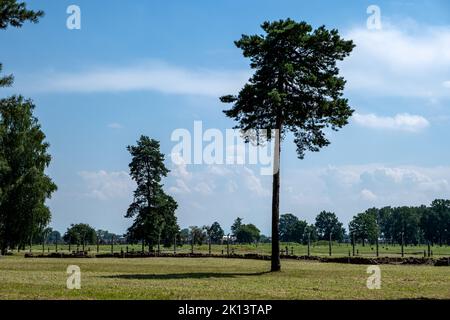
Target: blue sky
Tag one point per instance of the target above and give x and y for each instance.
(150, 67)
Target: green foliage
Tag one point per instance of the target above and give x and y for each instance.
(13, 13)
(214, 232)
(364, 226)
(292, 229)
(247, 233)
(327, 223)
(24, 186)
(196, 235)
(5, 81)
(105, 236)
(236, 226)
(80, 234)
(152, 209)
(295, 86)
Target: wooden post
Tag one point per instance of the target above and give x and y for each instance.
(309, 244)
(403, 243)
(429, 249)
(159, 242)
(329, 245)
(112, 244)
(209, 249)
(98, 245)
(56, 245)
(175, 244)
(228, 245)
(353, 243)
(377, 246)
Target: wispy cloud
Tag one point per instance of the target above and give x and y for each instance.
(104, 185)
(403, 59)
(115, 125)
(399, 122)
(150, 76)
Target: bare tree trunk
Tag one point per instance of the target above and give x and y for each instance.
(275, 260)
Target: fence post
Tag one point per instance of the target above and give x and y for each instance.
(309, 244)
(329, 245)
(112, 244)
(353, 243)
(228, 245)
(403, 243)
(429, 249)
(378, 253)
(175, 244)
(209, 248)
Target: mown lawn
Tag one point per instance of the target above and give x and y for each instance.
(213, 278)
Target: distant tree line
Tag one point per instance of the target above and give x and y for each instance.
(408, 225)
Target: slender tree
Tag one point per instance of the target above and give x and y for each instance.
(152, 208)
(295, 88)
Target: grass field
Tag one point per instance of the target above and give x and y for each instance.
(214, 278)
(265, 248)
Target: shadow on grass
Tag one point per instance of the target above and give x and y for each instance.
(192, 275)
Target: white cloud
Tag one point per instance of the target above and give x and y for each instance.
(350, 189)
(368, 195)
(399, 60)
(400, 122)
(103, 185)
(115, 125)
(151, 76)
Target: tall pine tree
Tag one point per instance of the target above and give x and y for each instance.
(295, 88)
(152, 209)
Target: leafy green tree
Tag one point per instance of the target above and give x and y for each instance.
(197, 235)
(184, 235)
(292, 229)
(310, 233)
(214, 232)
(24, 186)
(106, 237)
(13, 13)
(327, 223)
(295, 88)
(440, 211)
(54, 237)
(247, 233)
(80, 234)
(364, 226)
(152, 209)
(405, 220)
(236, 226)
